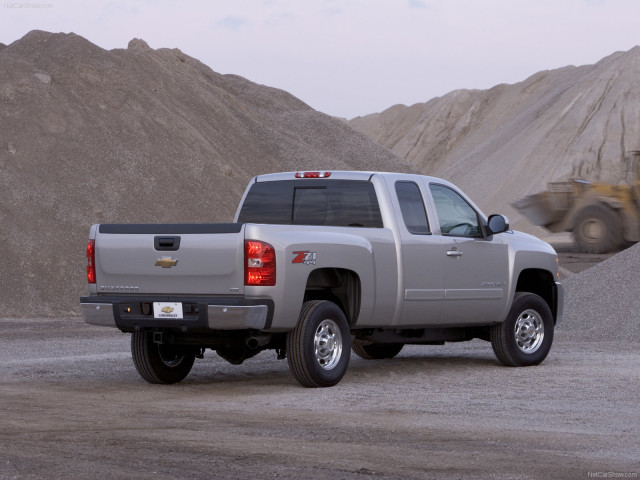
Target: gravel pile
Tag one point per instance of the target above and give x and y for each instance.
(509, 141)
(603, 302)
(135, 135)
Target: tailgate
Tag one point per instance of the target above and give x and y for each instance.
(172, 259)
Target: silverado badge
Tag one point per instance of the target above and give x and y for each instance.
(166, 262)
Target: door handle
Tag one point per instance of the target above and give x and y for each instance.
(454, 253)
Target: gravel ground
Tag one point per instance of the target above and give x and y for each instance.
(73, 406)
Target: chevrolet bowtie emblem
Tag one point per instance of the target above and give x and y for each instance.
(166, 262)
(167, 310)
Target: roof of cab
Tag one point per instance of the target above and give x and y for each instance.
(343, 175)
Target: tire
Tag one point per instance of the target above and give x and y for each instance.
(377, 351)
(158, 363)
(318, 349)
(598, 229)
(526, 335)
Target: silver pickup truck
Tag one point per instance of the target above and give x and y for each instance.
(317, 264)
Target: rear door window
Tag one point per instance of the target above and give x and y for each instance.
(412, 208)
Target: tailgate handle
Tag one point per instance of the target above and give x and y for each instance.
(165, 244)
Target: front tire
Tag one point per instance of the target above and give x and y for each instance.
(526, 335)
(318, 348)
(160, 363)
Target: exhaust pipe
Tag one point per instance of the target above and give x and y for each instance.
(257, 341)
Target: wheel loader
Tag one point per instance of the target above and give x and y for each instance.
(602, 217)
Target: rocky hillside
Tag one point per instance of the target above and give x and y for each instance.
(509, 141)
(134, 135)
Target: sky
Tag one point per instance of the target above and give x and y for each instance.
(350, 58)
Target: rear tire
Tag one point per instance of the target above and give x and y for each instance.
(318, 349)
(598, 229)
(377, 351)
(526, 335)
(159, 363)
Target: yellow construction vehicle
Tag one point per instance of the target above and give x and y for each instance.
(602, 217)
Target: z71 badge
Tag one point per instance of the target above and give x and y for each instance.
(306, 257)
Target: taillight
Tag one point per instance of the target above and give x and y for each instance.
(91, 261)
(260, 264)
(313, 174)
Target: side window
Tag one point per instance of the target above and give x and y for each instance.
(412, 208)
(457, 217)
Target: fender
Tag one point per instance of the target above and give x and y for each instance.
(314, 248)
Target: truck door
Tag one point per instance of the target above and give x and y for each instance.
(476, 268)
(422, 263)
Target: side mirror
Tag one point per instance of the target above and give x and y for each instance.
(498, 224)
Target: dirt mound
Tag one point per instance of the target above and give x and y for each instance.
(509, 141)
(602, 303)
(135, 135)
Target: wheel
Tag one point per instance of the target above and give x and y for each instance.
(526, 335)
(318, 348)
(377, 351)
(159, 363)
(598, 229)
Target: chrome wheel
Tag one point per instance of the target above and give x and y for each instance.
(529, 331)
(318, 347)
(328, 344)
(526, 335)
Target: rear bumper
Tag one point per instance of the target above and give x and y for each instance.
(200, 313)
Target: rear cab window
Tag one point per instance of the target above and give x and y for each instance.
(338, 203)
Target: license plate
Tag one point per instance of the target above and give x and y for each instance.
(167, 310)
